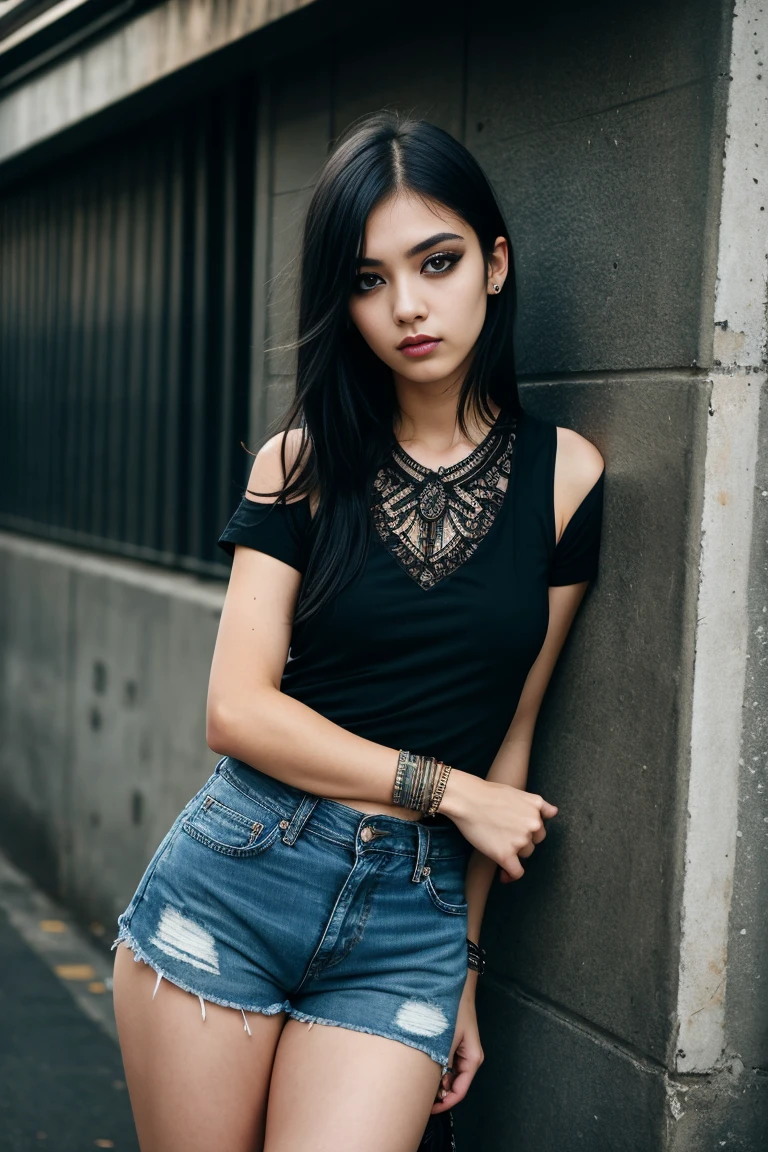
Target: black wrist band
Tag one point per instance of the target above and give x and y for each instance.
(475, 957)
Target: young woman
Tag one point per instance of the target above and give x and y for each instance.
(408, 558)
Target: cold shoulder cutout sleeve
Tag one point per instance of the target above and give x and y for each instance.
(576, 554)
(280, 530)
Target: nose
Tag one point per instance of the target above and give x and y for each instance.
(408, 306)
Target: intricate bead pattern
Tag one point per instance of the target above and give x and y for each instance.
(431, 521)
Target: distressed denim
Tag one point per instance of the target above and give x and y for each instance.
(264, 898)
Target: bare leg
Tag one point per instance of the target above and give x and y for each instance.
(194, 1084)
(336, 1090)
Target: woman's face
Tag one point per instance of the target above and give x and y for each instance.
(423, 275)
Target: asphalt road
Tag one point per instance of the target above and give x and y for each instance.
(62, 1085)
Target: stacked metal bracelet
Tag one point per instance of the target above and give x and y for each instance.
(475, 957)
(420, 782)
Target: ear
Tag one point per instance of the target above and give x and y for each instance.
(498, 266)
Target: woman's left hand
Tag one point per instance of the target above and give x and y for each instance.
(466, 1054)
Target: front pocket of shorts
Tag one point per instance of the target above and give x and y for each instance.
(247, 830)
(445, 885)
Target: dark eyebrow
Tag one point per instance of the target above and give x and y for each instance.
(417, 248)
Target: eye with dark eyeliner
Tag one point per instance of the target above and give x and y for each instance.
(451, 258)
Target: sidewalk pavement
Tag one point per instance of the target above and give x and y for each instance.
(62, 1085)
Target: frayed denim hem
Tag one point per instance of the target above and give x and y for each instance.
(307, 1018)
(128, 939)
(125, 937)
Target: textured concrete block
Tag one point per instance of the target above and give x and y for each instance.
(104, 671)
(35, 699)
(609, 745)
(287, 220)
(728, 1109)
(301, 122)
(532, 67)
(746, 1002)
(141, 676)
(127, 59)
(598, 134)
(180, 711)
(278, 394)
(410, 58)
(120, 667)
(549, 1083)
(607, 235)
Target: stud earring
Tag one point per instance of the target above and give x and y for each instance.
(497, 287)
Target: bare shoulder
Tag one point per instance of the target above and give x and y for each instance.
(578, 466)
(267, 472)
(578, 460)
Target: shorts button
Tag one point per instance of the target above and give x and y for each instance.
(366, 834)
(426, 871)
(284, 823)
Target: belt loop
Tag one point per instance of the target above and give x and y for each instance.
(422, 853)
(300, 817)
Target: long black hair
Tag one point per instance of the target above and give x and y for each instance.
(345, 402)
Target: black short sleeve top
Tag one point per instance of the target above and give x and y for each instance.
(429, 647)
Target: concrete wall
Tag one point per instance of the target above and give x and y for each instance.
(627, 143)
(746, 1009)
(103, 679)
(129, 59)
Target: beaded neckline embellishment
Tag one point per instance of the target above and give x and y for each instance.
(431, 521)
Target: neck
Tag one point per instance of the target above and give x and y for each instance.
(431, 423)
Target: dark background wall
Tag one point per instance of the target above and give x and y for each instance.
(602, 128)
(125, 297)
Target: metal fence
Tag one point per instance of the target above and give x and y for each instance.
(125, 318)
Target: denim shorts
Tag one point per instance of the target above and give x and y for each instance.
(265, 898)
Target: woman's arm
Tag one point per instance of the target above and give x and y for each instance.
(250, 719)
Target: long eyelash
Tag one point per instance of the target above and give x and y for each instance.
(452, 258)
(357, 286)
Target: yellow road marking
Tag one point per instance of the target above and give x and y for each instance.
(75, 971)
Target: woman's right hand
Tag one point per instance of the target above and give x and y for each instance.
(502, 822)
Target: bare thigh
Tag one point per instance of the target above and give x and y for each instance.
(194, 1084)
(337, 1090)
